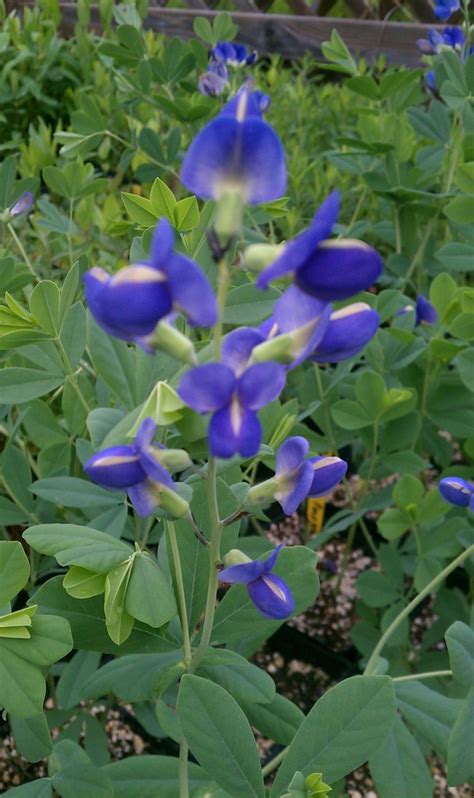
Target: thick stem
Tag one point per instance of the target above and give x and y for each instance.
(277, 760)
(214, 559)
(183, 769)
(371, 664)
(183, 612)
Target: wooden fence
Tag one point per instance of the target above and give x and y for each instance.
(289, 35)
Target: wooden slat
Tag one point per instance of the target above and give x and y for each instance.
(290, 36)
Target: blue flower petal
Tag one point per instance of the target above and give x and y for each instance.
(304, 246)
(243, 573)
(207, 388)
(327, 473)
(307, 317)
(425, 311)
(272, 558)
(244, 104)
(295, 489)
(237, 347)
(349, 330)
(234, 430)
(339, 268)
(153, 469)
(145, 497)
(117, 467)
(145, 434)
(131, 302)
(191, 291)
(233, 156)
(456, 491)
(261, 384)
(272, 596)
(162, 245)
(291, 454)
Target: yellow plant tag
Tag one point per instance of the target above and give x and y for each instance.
(315, 510)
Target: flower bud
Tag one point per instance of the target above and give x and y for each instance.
(235, 557)
(23, 204)
(456, 491)
(168, 339)
(257, 257)
(281, 349)
(174, 460)
(117, 467)
(228, 218)
(328, 472)
(261, 494)
(339, 268)
(171, 501)
(348, 332)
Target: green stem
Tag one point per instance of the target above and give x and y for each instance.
(427, 675)
(277, 760)
(371, 664)
(72, 375)
(183, 769)
(222, 286)
(183, 612)
(327, 415)
(69, 231)
(214, 560)
(20, 246)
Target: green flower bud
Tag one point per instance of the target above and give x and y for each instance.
(172, 459)
(261, 494)
(172, 502)
(235, 557)
(257, 257)
(228, 218)
(168, 339)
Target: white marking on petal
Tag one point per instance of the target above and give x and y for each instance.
(325, 462)
(236, 416)
(276, 589)
(342, 243)
(242, 106)
(139, 274)
(116, 459)
(458, 486)
(350, 310)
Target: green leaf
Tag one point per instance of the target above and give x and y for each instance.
(375, 589)
(163, 201)
(247, 305)
(344, 728)
(150, 597)
(79, 780)
(186, 214)
(399, 769)
(460, 759)
(369, 391)
(279, 720)
(74, 492)
(87, 622)
(16, 475)
(32, 736)
(456, 257)
(152, 776)
(350, 415)
(81, 583)
(79, 669)
(44, 305)
(407, 491)
(72, 544)
(20, 385)
(219, 736)
(131, 678)
(429, 712)
(14, 570)
(139, 209)
(465, 366)
(460, 210)
(244, 681)
(460, 643)
(202, 28)
(118, 621)
(41, 788)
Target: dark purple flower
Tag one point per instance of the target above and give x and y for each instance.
(237, 153)
(424, 310)
(233, 54)
(299, 477)
(457, 491)
(270, 594)
(452, 36)
(233, 392)
(297, 326)
(130, 303)
(23, 204)
(212, 84)
(328, 269)
(349, 330)
(444, 8)
(136, 469)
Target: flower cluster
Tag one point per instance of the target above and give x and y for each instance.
(450, 37)
(445, 8)
(457, 491)
(223, 55)
(143, 470)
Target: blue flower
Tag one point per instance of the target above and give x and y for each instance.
(130, 303)
(301, 319)
(212, 83)
(23, 204)
(425, 311)
(444, 8)
(233, 392)
(237, 153)
(299, 477)
(349, 330)
(328, 269)
(135, 468)
(233, 54)
(270, 594)
(451, 36)
(457, 491)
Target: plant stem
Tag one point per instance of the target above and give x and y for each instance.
(71, 374)
(20, 246)
(427, 675)
(214, 559)
(369, 668)
(277, 760)
(222, 286)
(183, 769)
(183, 612)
